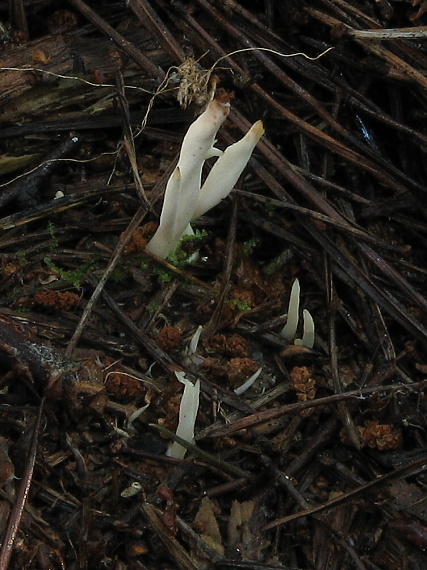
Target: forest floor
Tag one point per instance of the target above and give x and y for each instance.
(321, 463)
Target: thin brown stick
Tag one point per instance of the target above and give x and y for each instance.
(262, 417)
(22, 496)
(418, 466)
(148, 16)
(134, 53)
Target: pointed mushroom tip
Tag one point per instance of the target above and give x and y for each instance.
(258, 129)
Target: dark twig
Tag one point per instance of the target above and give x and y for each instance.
(22, 496)
(267, 415)
(418, 466)
(24, 191)
(148, 16)
(142, 60)
(128, 140)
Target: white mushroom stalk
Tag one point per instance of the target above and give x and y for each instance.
(194, 342)
(248, 383)
(183, 187)
(190, 353)
(290, 328)
(227, 170)
(308, 333)
(185, 200)
(187, 416)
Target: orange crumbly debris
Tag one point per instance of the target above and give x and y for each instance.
(215, 343)
(58, 300)
(379, 436)
(169, 338)
(137, 242)
(240, 369)
(124, 387)
(303, 383)
(236, 345)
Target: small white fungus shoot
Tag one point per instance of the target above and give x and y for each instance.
(290, 328)
(185, 199)
(248, 383)
(187, 416)
(308, 335)
(194, 342)
(183, 187)
(135, 415)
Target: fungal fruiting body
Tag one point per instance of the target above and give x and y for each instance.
(184, 200)
(161, 244)
(183, 187)
(227, 170)
(289, 330)
(247, 383)
(308, 334)
(187, 416)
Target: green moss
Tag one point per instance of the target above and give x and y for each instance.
(163, 276)
(278, 263)
(119, 274)
(186, 248)
(197, 236)
(152, 308)
(54, 245)
(269, 208)
(241, 305)
(74, 277)
(22, 260)
(250, 245)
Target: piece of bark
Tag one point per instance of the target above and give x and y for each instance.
(35, 67)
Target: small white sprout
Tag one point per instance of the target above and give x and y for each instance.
(194, 342)
(185, 199)
(290, 328)
(193, 359)
(135, 415)
(248, 383)
(187, 416)
(121, 432)
(308, 335)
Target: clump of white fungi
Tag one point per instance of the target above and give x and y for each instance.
(290, 329)
(185, 198)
